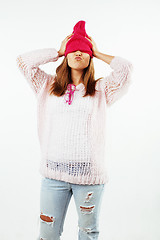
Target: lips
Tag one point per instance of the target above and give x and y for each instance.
(78, 58)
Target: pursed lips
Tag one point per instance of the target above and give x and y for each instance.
(78, 58)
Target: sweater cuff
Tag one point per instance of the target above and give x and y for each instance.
(56, 56)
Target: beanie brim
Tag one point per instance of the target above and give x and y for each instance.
(80, 43)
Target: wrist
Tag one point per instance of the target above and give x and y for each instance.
(96, 54)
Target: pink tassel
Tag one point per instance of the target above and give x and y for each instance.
(70, 93)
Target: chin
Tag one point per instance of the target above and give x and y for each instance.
(80, 68)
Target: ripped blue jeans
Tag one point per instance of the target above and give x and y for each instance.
(55, 196)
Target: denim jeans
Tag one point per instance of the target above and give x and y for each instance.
(55, 196)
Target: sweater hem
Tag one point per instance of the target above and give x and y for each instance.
(81, 180)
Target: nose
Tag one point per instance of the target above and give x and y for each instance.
(78, 52)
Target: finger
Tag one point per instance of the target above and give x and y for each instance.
(88, 39)
(70, 35)
(67, 37)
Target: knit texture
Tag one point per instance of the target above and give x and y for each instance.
(78, 41)
(72, 136)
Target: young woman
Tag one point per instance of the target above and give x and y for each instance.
(71, 113)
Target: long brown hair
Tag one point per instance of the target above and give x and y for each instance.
(63, 78)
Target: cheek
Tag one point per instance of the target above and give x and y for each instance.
(70, 61)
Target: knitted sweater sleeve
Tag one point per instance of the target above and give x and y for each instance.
(116, 84)
(28, 64)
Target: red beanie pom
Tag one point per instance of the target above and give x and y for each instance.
(78, 40)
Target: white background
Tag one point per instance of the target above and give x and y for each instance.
(130, 29)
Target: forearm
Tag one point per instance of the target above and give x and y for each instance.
(28, 63)
(37, 57)
(104, 57)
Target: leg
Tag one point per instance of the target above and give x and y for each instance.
(88, 200)
(54, 200)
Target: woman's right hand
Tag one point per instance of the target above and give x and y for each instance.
(62, 49)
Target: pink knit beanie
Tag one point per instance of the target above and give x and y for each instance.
(78, 40)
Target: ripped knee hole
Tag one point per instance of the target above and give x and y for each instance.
(46, 218)
(87, 209)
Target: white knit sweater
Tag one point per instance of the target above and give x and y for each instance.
(72, 137)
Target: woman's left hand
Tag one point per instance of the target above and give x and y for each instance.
(94, 46)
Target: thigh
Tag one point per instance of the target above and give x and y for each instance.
(54, 199)
(88, 201)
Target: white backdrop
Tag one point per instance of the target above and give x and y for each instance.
(130, 29)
